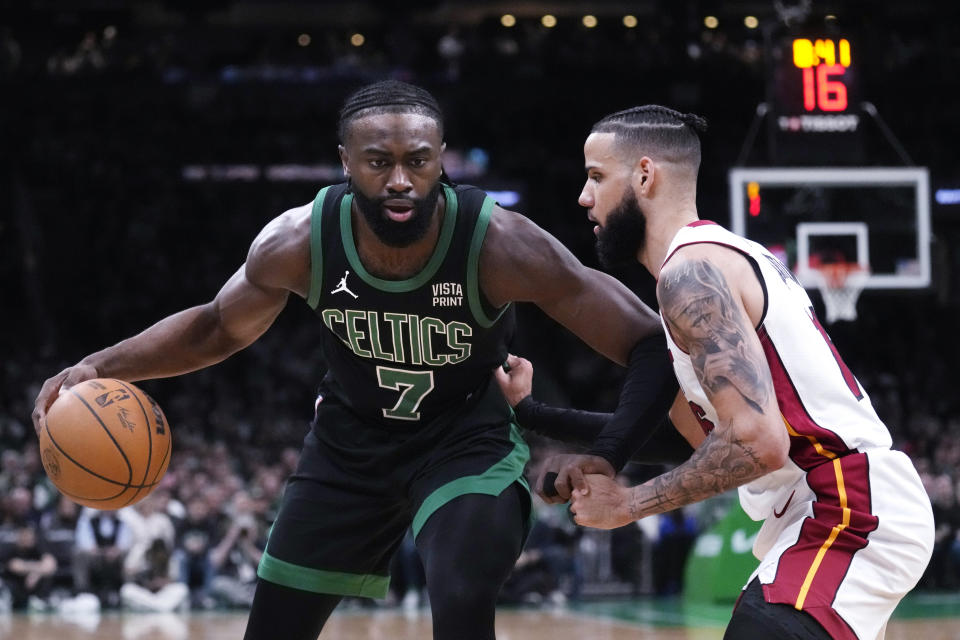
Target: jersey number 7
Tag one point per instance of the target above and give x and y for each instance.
(413, 387)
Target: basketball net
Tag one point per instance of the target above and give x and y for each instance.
(840, 284)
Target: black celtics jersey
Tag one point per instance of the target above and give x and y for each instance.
(403, 352)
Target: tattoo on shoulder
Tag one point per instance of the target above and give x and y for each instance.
(700, 310)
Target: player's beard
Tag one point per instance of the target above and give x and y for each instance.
(624, 234)
(393, 233)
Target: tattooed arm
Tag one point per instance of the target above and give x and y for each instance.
(702, 296)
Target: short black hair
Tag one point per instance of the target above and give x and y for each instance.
(388, 96)
(661, 130)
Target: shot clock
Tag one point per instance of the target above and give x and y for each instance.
(816, 104)
(823, 65)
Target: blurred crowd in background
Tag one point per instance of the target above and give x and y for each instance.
(141, 138)
(195, 542)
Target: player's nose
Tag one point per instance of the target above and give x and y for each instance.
(586, 198)
(399, 181)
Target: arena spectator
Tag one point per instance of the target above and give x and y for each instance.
(148, 522)
(103, 541)
(26, 570)
(153, 585)
(237, 554)
(59, 526)
(195, 539)
(18, 511)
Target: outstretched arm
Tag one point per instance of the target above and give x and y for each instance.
(706, 315)
(666, 444)
(522, 262)
(249, 302)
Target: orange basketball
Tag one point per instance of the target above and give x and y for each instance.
(105, 444)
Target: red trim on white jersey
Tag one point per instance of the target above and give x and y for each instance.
(848, 376)
(810, 443)
(811, 571)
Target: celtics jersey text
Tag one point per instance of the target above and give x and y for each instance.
(402, 352)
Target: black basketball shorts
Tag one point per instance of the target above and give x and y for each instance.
(358, 488)
(755, 618)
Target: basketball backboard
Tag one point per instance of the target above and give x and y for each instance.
(877, 217)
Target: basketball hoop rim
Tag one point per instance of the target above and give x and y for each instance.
(836, 274)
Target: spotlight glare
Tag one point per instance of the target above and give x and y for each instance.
(357, 39)
(589, 21)
(751, 22)
(303, 40)
(508, 20)
(549, 21)
(629, 21)
(711, 22)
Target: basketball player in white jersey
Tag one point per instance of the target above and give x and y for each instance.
(848, 528)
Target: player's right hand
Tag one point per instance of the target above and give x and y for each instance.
(605, 505)
(515, 379)
(53, 386)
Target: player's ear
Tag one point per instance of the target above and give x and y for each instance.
(643, 176)
(344, 159)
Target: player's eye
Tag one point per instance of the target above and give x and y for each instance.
(378, 163)
(418, 162)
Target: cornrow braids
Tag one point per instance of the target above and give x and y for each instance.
(654, 128)
(388, 96)
(653, 114)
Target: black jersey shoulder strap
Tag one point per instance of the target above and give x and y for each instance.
(483, 312)
(324, 207)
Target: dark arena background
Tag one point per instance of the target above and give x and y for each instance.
(143, 144)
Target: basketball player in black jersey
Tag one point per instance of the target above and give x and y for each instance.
(412, 279)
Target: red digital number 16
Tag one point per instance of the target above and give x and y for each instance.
(829, 95)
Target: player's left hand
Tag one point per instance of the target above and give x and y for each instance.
(605, 504)
(515, 379)
(54, 386)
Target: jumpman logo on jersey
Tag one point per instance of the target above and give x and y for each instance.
(343, 285)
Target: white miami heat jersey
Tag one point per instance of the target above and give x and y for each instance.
(848, 527)
(824, 408)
